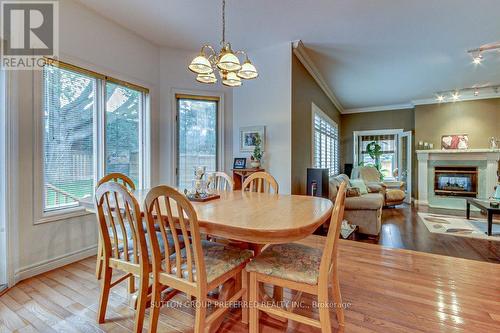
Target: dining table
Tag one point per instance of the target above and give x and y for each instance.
(253, 218)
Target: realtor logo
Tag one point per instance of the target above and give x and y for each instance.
(29, 33)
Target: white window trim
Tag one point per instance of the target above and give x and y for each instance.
(356, 134)
(220, 129)
(316, 110)
(39, 215)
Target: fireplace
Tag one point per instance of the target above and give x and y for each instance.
(455, 181)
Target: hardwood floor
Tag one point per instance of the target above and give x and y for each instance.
(386, 290)
(401, 229)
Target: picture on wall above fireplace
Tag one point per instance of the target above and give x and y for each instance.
(455, 141)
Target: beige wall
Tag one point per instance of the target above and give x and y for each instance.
(479, 119)
(394, 119)
(305, 91)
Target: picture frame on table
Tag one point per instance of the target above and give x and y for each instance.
(240, 163)
(248, 136)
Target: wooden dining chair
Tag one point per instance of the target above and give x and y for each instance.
(129, 184)
(260, 182)
(196, 269)
(124, 245)
(304, 269)
(222, 181)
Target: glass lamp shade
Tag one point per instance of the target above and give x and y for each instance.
(248, 71)
(206, 78)
(229, 62)
(231, 80)
(200, 65)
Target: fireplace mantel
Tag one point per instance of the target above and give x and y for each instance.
(425, 157)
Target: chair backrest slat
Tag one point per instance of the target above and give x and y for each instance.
(222, 182)
(183, 225)
(115, 204)
(260, 182)
(329, 257)
(110, 221)
(118, 178)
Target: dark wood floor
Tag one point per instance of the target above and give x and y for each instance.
(401, 229)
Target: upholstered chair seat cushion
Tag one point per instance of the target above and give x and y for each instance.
(393, 195)
(294, 262)
(219, 259)
(161, 243)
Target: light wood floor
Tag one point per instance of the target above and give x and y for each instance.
(388, 290)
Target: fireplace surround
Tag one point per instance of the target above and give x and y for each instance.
(485, 160)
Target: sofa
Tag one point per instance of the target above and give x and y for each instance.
(393, 191)
(364, 210)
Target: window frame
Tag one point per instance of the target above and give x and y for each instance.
(201, 95)
(40, 215)
(315, 110)
(397, 134)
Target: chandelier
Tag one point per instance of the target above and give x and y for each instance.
(226, 62)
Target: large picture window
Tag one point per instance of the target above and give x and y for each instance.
(197, 136)
(325, 142)
(85, 116)
(68, 137)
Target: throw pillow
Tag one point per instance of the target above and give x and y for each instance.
(352, 192)
(359, 183)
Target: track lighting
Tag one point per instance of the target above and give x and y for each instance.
(477, 54)
(474, 92)
(477, 59)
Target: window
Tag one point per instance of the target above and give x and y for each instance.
(123, 107)
(197, 136)
(325, 142)
(391, 145)
(388, 159)
(68, 140)
(87, 115)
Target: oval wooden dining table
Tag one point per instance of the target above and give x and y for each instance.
(254, 218)
(260, 218)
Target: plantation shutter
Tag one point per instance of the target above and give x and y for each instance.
(326, 144)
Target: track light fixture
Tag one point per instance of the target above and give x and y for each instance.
(466, 93)
(477, 54)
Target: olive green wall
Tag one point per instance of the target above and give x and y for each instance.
(479, 119)
(305, 91)
(366, 121)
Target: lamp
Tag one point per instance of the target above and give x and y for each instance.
(201, 65)
(230, 69)
(206, 78)
(248, 71)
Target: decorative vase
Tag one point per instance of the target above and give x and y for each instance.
(255, 164)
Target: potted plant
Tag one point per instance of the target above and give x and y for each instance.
(257, 152)
(375, 151)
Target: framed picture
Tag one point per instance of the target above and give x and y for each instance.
(455, 141)
(240, 163)
(248, 136)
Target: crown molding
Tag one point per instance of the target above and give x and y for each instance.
(416, 102)
(301, 53)
(380, 108)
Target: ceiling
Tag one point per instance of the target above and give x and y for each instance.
(371, 53)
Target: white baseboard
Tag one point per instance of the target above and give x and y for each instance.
(50, 264)
(421, 202)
